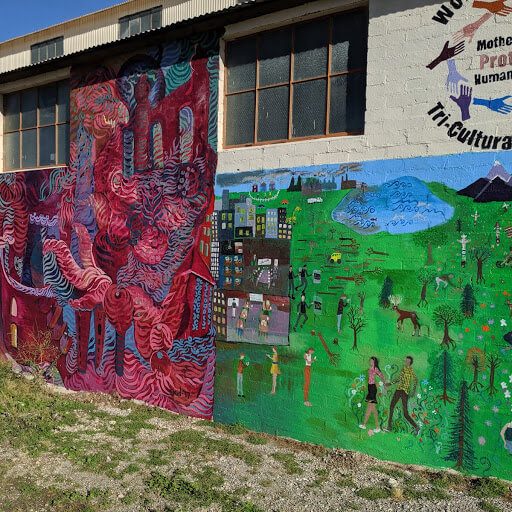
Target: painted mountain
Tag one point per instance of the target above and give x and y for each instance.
(402, 205)
(496, 186)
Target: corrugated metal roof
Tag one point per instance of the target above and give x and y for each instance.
(102, 27)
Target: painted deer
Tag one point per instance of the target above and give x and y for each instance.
(395, 300)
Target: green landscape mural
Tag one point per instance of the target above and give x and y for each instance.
(351, 293)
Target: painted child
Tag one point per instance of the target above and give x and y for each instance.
(242, 364)
(308, 359)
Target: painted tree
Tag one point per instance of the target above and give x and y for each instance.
(443, 376)
(475, 359)
(480, 255)
(357, 324)
(445, 316)
(428, 239)
(291, 187)
(387, 290)
(461, 444)
(298, 187)
(468, 302)
(493, 362)
(425, 277)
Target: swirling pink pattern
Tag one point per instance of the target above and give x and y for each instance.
(123, 253)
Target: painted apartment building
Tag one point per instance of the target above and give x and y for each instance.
(324, 186)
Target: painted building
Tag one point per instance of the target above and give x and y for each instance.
(356, 157)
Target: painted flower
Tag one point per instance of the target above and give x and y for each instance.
(490, 321)
(507, 394)
(481, 440)
(486, 328)
(488, 423)
(495, 409)
(504, 385)
(476, 408)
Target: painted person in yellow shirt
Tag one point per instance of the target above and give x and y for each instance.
(406, 387)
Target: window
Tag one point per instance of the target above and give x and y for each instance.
(301, 81)
(140, 22)
(36, 127)
(47, 50)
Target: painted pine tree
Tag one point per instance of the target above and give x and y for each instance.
(460, 448)
(468, 301)
(387, 290)
(443, 376)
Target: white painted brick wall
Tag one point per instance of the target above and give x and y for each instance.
(403, 38)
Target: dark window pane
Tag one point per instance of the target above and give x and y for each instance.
(135, 26)
(311, 42)
(59, 47)
(63, 143)
(240, 119)
(349, 46)
(12, 151)
(63, 103)
(47, 102)
(11, 112)
(309, 103)
(273, 113)
(43, 52)
(145, 22)
(47, 145)
(124, 29)
(29, 149)
(51, 50)
(241, 64)
(34, 54)
(275, 48)
(29, 108)
(348, 93)
(156, 18)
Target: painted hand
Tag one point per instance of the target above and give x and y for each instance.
(497, 7)
(447, 53)
(454, 77)
(464, 101)
(496, 104)
(468, 32)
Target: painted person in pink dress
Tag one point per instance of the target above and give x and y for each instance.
(371, 397)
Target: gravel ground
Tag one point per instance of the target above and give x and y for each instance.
(120, 456)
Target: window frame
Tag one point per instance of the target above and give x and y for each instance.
(291, 81)
(139, 15)
(46, 44)
(20, 130)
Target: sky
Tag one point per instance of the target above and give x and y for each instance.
(20, 17)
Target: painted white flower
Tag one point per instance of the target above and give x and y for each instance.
(488, 423)
(495, 409)
(503, 323)
(481, 440)
(504, 385)
(507, 394)
(359, 404)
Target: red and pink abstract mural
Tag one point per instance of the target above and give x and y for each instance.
(102, 275)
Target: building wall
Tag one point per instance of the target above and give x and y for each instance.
(402, 40)
(102, 273)
(409, 255)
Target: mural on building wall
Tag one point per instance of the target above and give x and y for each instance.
(105, 274)
(400, 291)
(473, 62)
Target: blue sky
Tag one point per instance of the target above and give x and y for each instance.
(19, 17)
